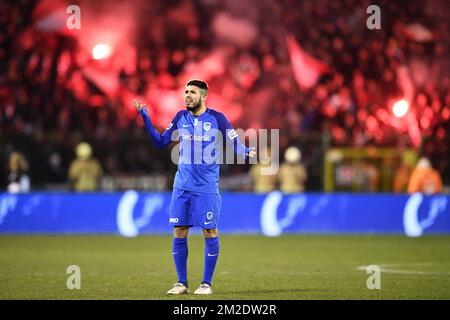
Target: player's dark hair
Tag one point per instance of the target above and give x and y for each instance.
(198, 83)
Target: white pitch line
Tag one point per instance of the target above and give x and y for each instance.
(400, 271)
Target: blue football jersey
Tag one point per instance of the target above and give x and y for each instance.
(204, 140)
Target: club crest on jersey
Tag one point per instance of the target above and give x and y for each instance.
(169, 126)
(207, 126)
(209, 215)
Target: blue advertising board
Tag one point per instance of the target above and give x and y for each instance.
(132, 213)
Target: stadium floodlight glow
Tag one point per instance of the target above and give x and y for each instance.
(400, 108)
(101, 51)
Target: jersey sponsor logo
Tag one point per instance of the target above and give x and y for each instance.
(190, 137)
(207, 126)
(169, 126)
(174, 220)
(186, 125)
(209, 215)
(232, 134)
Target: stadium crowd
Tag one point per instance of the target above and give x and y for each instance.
(50, 101)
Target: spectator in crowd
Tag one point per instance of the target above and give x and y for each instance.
(425, 179)
(263, 182)
(401, 178)
(402, 173)
(18, 180)
(85, 171)
(292, 174)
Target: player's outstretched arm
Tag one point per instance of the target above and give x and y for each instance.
(158, 140)
(231, 137)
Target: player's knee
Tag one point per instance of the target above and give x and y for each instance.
(210, 233)
(180, 232)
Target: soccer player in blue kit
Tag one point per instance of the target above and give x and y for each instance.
(196, 201)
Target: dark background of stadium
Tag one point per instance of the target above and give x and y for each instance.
(51, 97)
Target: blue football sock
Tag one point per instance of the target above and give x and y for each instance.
(180, 254)
(211, 255)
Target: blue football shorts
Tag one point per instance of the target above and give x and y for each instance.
(195, 209)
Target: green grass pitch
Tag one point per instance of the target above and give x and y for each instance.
(249, 267)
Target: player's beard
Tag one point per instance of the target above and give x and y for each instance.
(194, 107)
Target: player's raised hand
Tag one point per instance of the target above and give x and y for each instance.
(138, 104)
(252, 152)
